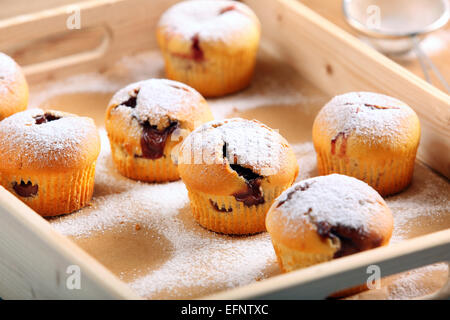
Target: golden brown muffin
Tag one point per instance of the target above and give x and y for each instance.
(210, 45)
(327, 217)
(13, 87)
(233, 170)
(146, 121)
(48, 159)
(369, 136)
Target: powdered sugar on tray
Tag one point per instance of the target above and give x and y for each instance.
(230, 261)
(208, 20)
(366, 114)
(197, 262)
(407, 285)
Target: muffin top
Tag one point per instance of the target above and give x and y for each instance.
(38, 139)
(247, 143)
(158, 102)
(208, 20)
(371, 116)
(333, 206)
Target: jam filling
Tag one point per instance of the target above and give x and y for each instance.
(297, 188)
(44, 118)
(153, 140)
(216, 207)
(25, 190)
(352, 240)
(253, 195)
(197, 52)
(343, 148)
(132, 101)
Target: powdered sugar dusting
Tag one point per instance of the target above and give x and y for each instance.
(209, 20)
(42, 145)
(420, 209)
(155, 99)
(366, 114)
(248, 143)
(335, 199)
(407, 284)
(8, 71)
(230, 261)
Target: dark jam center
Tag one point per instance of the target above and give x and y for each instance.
(46, 117)
(352, 240)
(216, 207)
(153, 140)
(300, 187)
(25, 189)
(197, 52)
(132, 100)
(253, 195)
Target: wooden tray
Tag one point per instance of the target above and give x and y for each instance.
(297, 45)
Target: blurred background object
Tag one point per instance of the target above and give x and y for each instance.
(435, 45)
(397, 27)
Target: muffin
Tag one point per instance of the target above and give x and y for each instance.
(146, 121)
(327, 217)
(13, 87)
(233, 170)
(369, 136)
(48, 159)
(209, 45)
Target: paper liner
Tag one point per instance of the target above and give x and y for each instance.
(214, 76)
(235, 217)
(158, 170)
(58, 193)
(388, 177)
